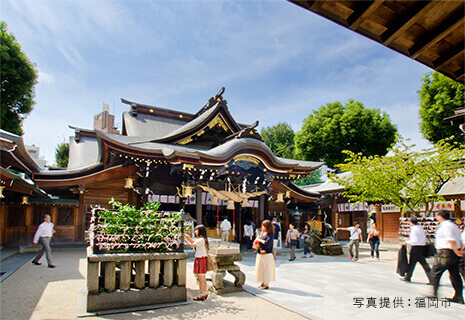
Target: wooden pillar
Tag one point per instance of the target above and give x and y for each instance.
(198, 205)
(261, 209)
(81, 217)
(457, 209)
(3, 214)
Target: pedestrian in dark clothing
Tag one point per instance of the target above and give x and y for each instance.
(373, 240)
(448, 243)
(402, 262)
(417, 241)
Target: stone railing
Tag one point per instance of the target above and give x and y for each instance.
(123, 280)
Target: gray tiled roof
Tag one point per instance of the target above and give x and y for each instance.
(149, 126)
(192, 124)
(82, 154)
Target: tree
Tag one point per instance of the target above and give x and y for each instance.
(333, 128)
(439, 97)
(18, 78)
(406, 178)
(314, 177)
(62, 154)
(280, 139)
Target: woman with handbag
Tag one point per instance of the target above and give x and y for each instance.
(200, 263)
(307, 237)
(264, 264)
(292, 237)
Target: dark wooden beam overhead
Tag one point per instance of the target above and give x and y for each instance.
(428, 31)
(364, 9)
(405, 22)
(458, 49)
(437, 34)
(459, 74)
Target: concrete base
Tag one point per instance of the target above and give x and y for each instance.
(135, 298)
(82, 307)
(229, 287)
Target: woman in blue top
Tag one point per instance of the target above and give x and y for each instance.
(264, 264)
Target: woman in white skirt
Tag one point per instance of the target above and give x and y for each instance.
(264, 264)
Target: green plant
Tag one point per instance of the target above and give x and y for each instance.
(127, 229)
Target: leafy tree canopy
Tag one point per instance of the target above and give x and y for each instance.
(280, 139)
(439, 97)
(334, 127)
(406, 178)
(314, 177)
(18, 77)
(62, 154)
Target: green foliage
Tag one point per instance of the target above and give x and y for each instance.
(332, 128)
(18, 77)
(314, 177)
(280, 139)
(406, 178)
(127, 229)
(439, 97)
(62, 154)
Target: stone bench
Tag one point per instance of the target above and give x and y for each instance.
(123, 280)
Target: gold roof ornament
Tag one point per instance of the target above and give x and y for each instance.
(280, 197)
(25, 200)
(1, 192)
(129, 183)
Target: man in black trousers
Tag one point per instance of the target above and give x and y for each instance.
(417, 241)
(448, 244)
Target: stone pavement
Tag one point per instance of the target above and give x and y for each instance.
(324, 287)
(37, 292)
(318, 288)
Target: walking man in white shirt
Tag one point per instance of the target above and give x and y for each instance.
(43, 236)
(448, 243)
(355, 239)
(225, 228)
(417, 241)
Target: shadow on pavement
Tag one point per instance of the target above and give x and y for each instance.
(22, 291)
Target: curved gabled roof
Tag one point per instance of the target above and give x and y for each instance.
(14, 153)
(216, 156)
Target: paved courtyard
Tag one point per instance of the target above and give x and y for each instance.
(318, 288)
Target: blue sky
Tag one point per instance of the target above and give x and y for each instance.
(277, 61)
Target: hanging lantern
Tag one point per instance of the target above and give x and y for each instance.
(230, 205)
(25, 200)
(1, 192)
(288, 194)
(280, 197)
(188, 192)
(129, 183)
(214, 201)
(245, 203)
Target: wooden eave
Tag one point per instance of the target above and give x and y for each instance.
(430, 32)
(300, 195)
(139, 108)
(201, 158)
(98, 174)
(14, 155)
